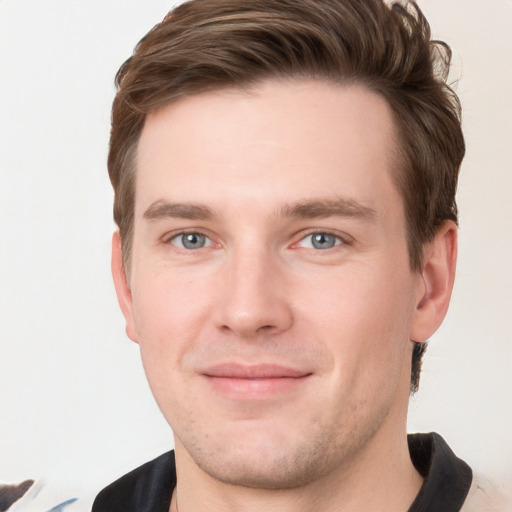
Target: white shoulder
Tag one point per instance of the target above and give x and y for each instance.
(484, 496)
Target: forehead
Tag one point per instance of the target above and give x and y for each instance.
(287, 139)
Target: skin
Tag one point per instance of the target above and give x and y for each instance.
(282, 365)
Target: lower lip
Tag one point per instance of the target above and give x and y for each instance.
(255, 388)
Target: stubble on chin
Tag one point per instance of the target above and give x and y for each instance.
(279, 463)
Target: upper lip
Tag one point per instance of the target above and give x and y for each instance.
(253, 371)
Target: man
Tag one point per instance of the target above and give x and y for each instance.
(285, 177)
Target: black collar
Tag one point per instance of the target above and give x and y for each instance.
(447, 478)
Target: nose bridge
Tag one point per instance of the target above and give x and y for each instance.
(252, 297)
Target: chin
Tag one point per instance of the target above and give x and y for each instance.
(262, 470)
(264, 461)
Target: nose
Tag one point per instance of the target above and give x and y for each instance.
(252, 297)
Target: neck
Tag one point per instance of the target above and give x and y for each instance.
(381, 478)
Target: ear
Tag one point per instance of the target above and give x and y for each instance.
(124, 294)
(438, 275)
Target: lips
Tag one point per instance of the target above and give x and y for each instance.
(254, 372)
(254, 382)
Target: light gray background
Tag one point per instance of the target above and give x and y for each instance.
(75, 409)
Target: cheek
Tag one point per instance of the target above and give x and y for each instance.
(169, 311)
(358, 295)
(168, 316)
(365, 316)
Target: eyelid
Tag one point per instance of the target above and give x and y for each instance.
(168, 237)
(344, 238)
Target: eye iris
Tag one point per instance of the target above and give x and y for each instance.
(323, 241)
(193, 240)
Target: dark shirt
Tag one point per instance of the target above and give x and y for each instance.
(446, 485)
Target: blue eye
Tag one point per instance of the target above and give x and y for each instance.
(191, 241)
(320, 241)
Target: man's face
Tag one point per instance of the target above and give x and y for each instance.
(270, 289)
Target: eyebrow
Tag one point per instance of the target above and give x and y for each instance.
(162, 209)
(310, 209)
(323, 208)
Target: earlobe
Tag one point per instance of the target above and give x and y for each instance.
(124, 294)
(438, 275)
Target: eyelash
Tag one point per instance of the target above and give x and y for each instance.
(339, 240)
(168, 239)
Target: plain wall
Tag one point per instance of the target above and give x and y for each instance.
(75, 409)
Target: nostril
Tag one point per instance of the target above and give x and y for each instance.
(265, 328)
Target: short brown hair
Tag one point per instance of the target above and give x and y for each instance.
(205, 45)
